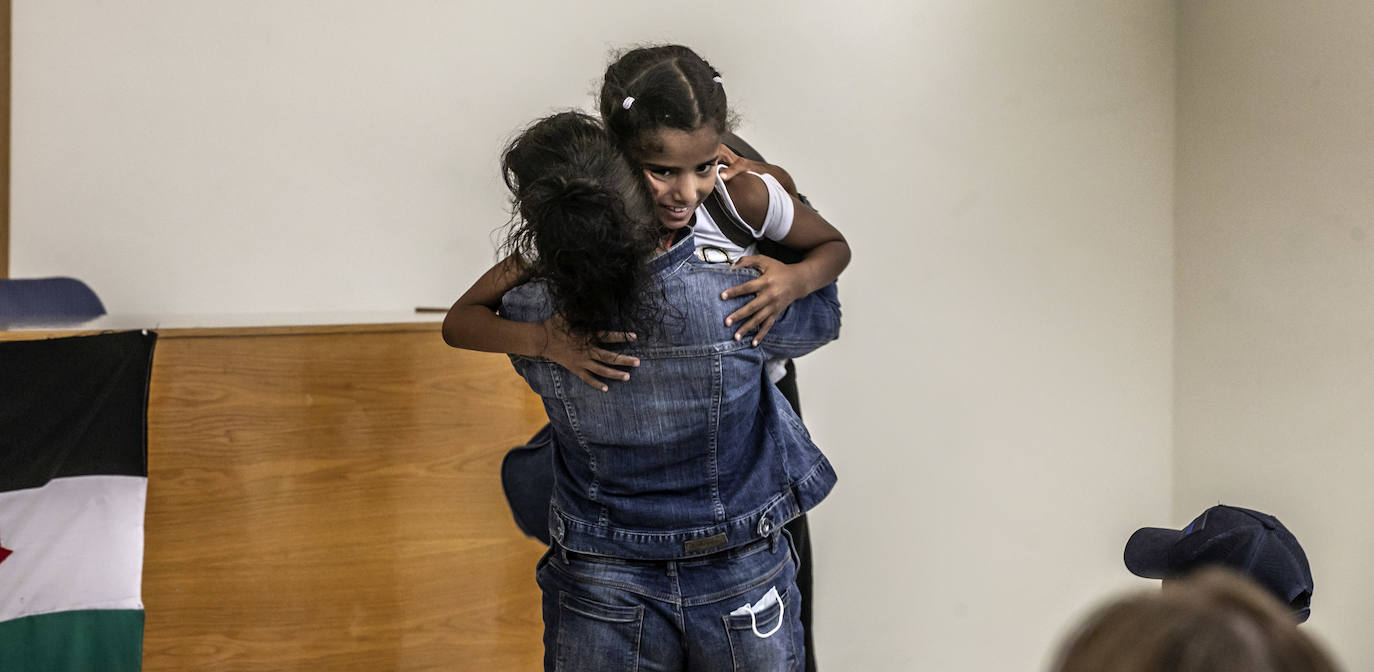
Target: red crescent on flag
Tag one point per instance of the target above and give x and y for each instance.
(4, 553)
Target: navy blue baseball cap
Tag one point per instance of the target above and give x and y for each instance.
(1253, 543)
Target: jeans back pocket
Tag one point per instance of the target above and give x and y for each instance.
(777, 651)
(594, 636)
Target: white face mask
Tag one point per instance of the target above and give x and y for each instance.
(768, 599)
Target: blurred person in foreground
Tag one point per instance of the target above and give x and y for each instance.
(1213, 621)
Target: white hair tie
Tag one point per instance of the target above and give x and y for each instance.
(629, 100)
(717, 79)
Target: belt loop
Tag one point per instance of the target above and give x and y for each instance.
(564, 553)
(776, 536)
(672, 567)
(792, 549)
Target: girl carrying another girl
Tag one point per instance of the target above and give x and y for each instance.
(671, 490)
(666, 109)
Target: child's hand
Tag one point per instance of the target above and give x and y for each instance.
(735, 164)
(774, 290)
(583, 358)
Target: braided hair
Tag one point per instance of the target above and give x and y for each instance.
(667, 86)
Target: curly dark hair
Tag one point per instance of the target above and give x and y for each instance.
(582, 222)
(672, 87)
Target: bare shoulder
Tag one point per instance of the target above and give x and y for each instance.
(750, 196)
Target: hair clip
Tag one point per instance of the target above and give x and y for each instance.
(629, 100)
(717, 80)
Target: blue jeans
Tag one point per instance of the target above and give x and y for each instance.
(605, 614)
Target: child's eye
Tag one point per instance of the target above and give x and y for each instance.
(706, 167)
(660, 172)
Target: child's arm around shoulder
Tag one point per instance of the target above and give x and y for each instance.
(736, 165)
(473, 324)
(826, 256)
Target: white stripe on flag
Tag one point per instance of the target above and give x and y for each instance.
(77, 544)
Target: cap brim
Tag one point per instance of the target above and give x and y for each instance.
(1302, 614)
(1147, 552)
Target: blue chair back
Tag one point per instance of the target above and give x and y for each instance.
(43, 300)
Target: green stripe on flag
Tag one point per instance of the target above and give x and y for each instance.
(73, 490)
(98, 640)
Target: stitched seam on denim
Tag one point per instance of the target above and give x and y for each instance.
(794, 420)
(761, 617)
(813, 473)
(798, 661)
(570, 410)
(683, 248)
(745, 521)
(792, 546)
(672, 536)
(737, 553)
(606, 613)
(627, 587)
(558, 656)
(631, 660)
(677, 605)
(783, 341)
(677, 268)
(773, 441)
(696, 350)
(716, 393)
(791, 650)
(734, 658)
(582, 538)
(639, 636)
(585, 526)
(737, 590)
(624, 534)
(706, 267)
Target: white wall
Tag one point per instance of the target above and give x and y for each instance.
(1275, 345)
(999, 405)
(999, 408)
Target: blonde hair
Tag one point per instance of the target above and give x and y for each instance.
(1213, 621)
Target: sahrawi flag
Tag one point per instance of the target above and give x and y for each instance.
(73, 480)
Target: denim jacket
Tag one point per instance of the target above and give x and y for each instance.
(697, 452)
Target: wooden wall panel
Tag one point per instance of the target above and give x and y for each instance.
(331, 501)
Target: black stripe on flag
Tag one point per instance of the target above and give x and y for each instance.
(74, 407)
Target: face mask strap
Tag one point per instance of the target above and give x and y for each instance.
(754, 624)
